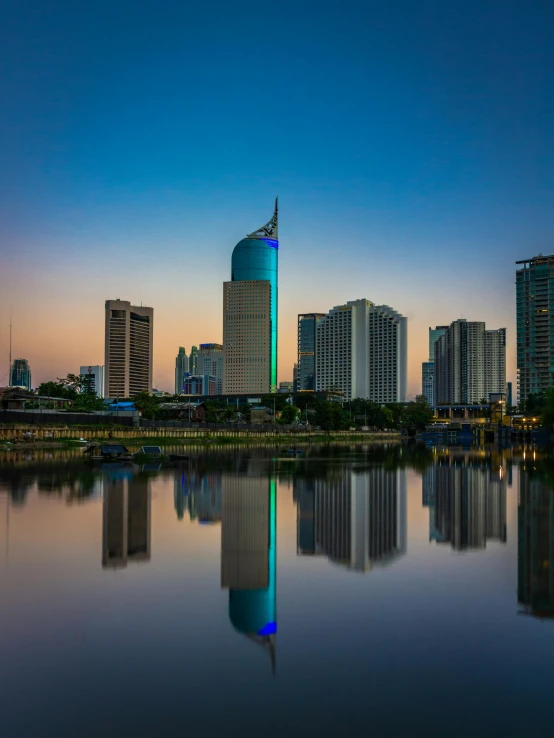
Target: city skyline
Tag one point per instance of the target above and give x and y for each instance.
(120, 180)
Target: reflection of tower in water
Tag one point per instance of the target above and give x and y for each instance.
(248, 556)
(357, 519)
(535, 569)
(467, 504)
(200, 494)
(126, 521)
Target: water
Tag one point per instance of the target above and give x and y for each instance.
(350, 591)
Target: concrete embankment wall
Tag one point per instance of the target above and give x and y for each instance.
(43, 433)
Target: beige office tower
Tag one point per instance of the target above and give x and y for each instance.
(246, 337)
(244, 532)
(126, 522)
(128, 349)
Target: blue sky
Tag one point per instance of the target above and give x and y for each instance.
(411, 145)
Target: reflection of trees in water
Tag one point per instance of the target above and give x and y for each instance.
(72, 481)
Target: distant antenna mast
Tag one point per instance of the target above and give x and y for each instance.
(10, 366)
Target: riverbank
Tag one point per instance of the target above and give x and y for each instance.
(33, 437)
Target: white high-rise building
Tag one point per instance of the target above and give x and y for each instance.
(361, 350)
(93, 379)
(388, 355)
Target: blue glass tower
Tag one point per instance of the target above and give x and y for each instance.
(257, 257)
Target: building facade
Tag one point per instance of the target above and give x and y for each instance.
(428, 381)
(470, 363)
(20, 374)
(129, 337)
(256, 259)
(93, 379)
(246, 337)
(210, 361)
(199, 384)
(535, 325)
(307, 324)
(181, 368)
(428, 367)
(361, 350)
(286, 387)
(388, 355)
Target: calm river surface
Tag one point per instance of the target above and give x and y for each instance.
(353, 591)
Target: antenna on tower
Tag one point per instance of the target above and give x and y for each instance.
(10, 366)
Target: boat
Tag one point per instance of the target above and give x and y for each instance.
(108, 452)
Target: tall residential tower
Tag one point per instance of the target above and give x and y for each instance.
(361, 350)
(470, 363)
(535, 325)
(128, 347)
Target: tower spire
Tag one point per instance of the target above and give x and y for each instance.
(271, 228)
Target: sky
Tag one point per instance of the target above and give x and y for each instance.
(411, 145)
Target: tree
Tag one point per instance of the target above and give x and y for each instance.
(56, 389)
(88, 402)
(330, 416)
(279, 398)
(147, 405)
(417, 414)
(289, 415)
(547, 411)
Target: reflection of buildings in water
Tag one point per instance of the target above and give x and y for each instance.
(535, 569)
(355, 519)
(200, 494)
(467, 503)
(126, 521)
(248, 556)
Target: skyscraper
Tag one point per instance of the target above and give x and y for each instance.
(181, 368)
(20, 374)
(193, 360)
(470, 363)
(93, 379)
(535, 325)
(388, 355)
(361, 350)
(246, 337)
(428, 367)
(256, 258)
(306, 351)
(128, 347)
(210, 362)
